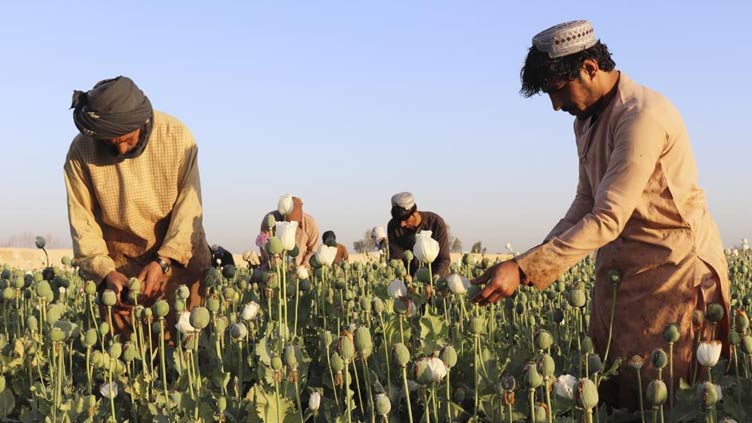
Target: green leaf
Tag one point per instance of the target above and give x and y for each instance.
(269, 411)
(7, 403)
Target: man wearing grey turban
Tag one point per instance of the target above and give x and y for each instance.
(406, 222)
(134, 198)
(637, 203)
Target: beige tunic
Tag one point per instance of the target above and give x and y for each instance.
(638, 204)
(306, 237)
(123, 213)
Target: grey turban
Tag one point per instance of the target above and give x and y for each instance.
(114, 107)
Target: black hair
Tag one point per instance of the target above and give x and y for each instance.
(400, 214)
(328, 234)
(540, 70)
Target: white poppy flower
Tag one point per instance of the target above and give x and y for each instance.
(325, 255)
(457, 284)
(397, 289)
(285, 231)
(708, 353)
(285, 205)
(438, 368)
(109, 390)
(302, 273)
(426, 249)
(184, 324)
(250, 311)
(564, 386)
(314, 401)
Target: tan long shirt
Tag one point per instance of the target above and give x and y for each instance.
(138, 207)
(639, 205)
(306, 236)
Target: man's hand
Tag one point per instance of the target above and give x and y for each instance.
(501, 281)
(116, 282)
(151, 279)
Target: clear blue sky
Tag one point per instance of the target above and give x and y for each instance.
(345, 103)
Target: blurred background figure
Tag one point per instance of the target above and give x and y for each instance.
(330, 239)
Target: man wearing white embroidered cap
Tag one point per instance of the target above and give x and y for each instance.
(405, 224)
(637, 202)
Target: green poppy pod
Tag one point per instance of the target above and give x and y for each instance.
(378, 305)
(326, 339)
(671, 333)
(595, 365)
(477, 325)
(134, 285)
(212, 304)
(32, 323)
(221, 404)
(294, 252)
(658, 358)
(130, 352)
(90, 288)
(448, 355)
(422, 373)
(708, 393)
(741, 321)
(546, 366)
(9, 293)
(336, 362)
(274, 246)
(747, 344)
(408, 255)
(345, 348)
(614, 276)
(383, 404)
(459, 395)
(115, 350)
(715, 312)
(734, 338)
(276, 363)
(541, 412)
(183, 292)
(468, 259)
(161, 308)
(270, 221)
(43, 288)
(90, 338)
(228, 271)
(19, 283)
(57, 334)
(577, 298)
(587, 345)
(586, 394)
(291, 357)
(104, 329)
(543, 339)
(423, 275)
(199, 318)
(657, 393)
(238, 331)
(40, 242)
(530, 376)
(401, 354)
(558, 316)
(363, 341)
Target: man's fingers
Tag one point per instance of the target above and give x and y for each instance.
(484, 294)
(482, 278)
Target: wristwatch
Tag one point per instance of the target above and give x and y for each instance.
(163, 264)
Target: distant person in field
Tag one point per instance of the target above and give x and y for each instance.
(134, 198)
(330, 239)
(306, 235)
(221, 257)
(637, 203)
(380, 240)
(405, 224)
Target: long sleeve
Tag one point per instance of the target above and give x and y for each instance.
(187, 213)
(89, 246)
(395, 250)
(312, 241)
(582, 204)
(440, 266)
(638, 143)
